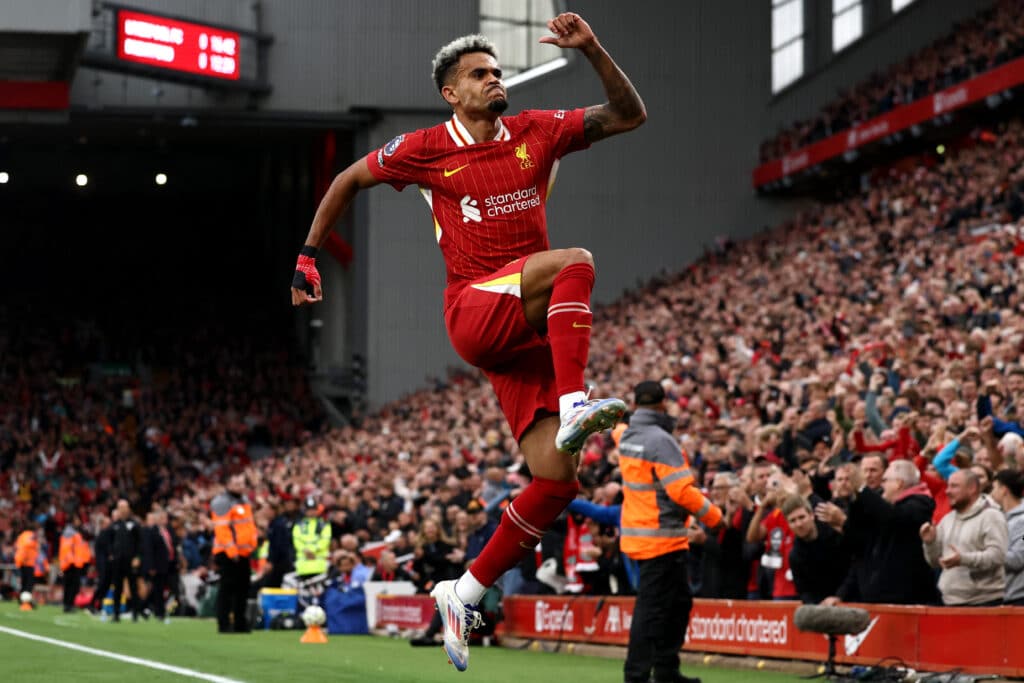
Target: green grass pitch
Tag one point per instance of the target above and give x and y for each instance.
(277, 656)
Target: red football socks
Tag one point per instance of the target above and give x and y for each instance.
(569, 324)
(524, 522)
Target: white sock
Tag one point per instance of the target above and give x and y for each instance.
(567, 401)
(469, 590)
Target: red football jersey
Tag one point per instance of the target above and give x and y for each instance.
(778, 545)
(487, 198)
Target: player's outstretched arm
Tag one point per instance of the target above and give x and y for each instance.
(624, 109)
(306, 285)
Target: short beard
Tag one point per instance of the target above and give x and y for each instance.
(498, 106)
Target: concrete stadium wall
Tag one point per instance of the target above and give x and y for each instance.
(401, 298)
(45, 16)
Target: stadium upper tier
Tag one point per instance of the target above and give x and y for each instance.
(992, 38)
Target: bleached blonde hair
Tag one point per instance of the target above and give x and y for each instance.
(448, 56)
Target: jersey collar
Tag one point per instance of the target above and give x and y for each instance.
(461, 136)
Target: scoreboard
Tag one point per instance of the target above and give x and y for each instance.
(178, 46)
(178, 49)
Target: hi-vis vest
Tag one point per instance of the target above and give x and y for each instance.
(234, 531)
(26, 549)
(658, 491)
(262, 554)
(74, 551)
(313, 535)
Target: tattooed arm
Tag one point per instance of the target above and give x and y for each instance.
(624, 109)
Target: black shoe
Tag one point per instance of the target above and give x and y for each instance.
(678, 678)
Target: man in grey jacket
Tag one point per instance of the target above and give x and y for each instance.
(969, 544)
(1007, 490)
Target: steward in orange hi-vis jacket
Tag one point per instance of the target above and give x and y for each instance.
(659, 495)
(74, 556)
(234, 539)
(26, 553)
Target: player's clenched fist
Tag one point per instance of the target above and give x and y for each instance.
(306, 281)
(570, 31)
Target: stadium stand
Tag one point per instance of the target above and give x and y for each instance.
(889, 313)
(887, 322)
(80, 431)
(991, 38)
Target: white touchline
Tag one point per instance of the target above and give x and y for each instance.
(121, 658)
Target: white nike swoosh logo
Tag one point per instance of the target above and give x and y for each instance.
(853, 643)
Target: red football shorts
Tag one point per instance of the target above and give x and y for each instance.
(488, 328)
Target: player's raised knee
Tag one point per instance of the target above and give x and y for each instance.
(578, 255)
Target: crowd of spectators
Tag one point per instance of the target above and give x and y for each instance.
(993, 37)
(861, 369)
(90, 414)
(873, 340)
(882, 328)
(842, 384)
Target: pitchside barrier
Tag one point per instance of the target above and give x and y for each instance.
(404, 612)
(984, 640)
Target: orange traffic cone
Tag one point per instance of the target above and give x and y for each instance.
(314, 634)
